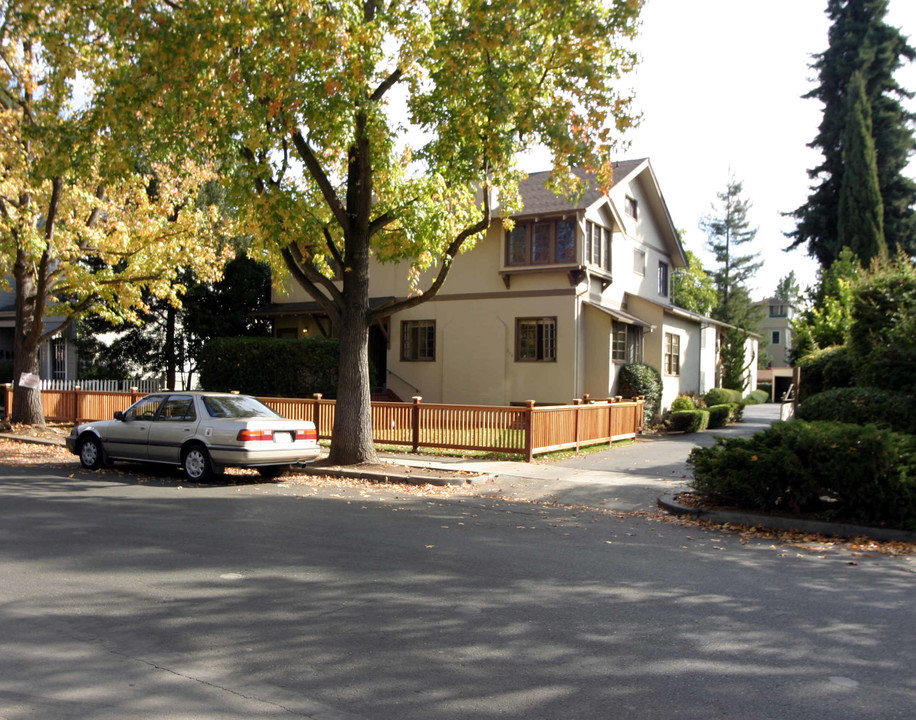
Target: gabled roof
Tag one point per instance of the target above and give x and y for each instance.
(538, 200)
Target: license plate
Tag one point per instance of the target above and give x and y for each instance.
(284, 437)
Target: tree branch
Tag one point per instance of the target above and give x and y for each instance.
(310, 279)
(324, 185)
(451, 252)
(386, 85)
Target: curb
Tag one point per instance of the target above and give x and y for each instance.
(412, 479)
(669, 504)
(33, 440)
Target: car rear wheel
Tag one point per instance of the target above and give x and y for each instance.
(197, 464)
(91, 455)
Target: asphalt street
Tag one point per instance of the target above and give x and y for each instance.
(125, 598)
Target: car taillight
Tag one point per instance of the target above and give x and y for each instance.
(249, 435)
(311, 434)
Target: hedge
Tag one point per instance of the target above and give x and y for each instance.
(276, 367)
(824, 370)
(850, 472)
(862, 405)
(719, 415)
(688, 421)
(719, 396)
(757, 397)
(641, 379)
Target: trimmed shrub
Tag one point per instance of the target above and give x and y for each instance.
(862, 405)
(719, 396)
(767, 388)
(275, 367)
(850, 472)
(736, 412)
(719, 415)
(825, 369)
(688, 421)
(683, 402)
(641, 379)
(757, 397)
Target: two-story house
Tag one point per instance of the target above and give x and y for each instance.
(58, 356)
(547, 310)
(776, 327)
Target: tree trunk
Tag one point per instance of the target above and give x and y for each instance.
(27, 408)
(169, 349)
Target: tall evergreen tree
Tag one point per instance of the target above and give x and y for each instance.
(860, 40)
(860, 221)
(728, 228)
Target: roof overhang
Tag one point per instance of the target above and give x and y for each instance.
(620, 315)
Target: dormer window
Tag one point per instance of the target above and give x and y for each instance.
(630, 207)
(598, 245)
(542, 242)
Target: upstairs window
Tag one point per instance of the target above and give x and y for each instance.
(418, 340)
(672, 354)
(639, 262)
(778, 311)
(598, 245)
(547, 242)
(663, 278)
(775, 338)
(536, 339)
(630, 207)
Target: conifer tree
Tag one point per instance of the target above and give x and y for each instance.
(860, 40)
(860, 222)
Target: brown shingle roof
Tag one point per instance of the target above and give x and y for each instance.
(539, 200)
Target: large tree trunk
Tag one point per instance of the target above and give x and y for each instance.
(27, 408)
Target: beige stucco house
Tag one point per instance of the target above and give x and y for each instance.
(547, 311)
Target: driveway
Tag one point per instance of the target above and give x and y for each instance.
(627, 477)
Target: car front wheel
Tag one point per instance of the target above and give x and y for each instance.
(197, 464)
(91, 454)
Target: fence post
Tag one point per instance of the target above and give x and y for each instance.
(77, 403)
(8, 399)
(610, 421)
(316, 412)
(529, 430)
(415, 421)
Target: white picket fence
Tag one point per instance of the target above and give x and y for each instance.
(144, 386)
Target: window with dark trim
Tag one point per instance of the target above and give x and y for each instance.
(626, 343)
(546, 242)
(630, 207)
(598, 245)
(775, 338)
(672, 354)
(778, 311)
(663, 278)
(536, 339)
(418, 340)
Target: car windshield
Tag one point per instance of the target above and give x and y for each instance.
(237, 406)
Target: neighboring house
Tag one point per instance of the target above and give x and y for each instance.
(776, 328)
(547, 311)
(57, 358)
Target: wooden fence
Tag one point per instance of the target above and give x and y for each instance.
(526, 430)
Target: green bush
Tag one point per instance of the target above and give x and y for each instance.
(825, 369)
(850, 472)
(683, 402)
(736, 412)
(862, 405)
(641, 379)
(719, 396)
(757, 397)
(275, 367)
(767, 388)
(688, 421)
(882, 335)
(719, 415)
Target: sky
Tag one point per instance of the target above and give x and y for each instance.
(719, 87)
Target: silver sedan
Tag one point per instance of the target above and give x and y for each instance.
(203, 433)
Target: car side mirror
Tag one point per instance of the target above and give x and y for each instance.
(119, 416)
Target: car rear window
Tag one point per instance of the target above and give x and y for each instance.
(237, 406)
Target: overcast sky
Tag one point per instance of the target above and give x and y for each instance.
(719, 86)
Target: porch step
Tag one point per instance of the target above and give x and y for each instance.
(385, 395)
